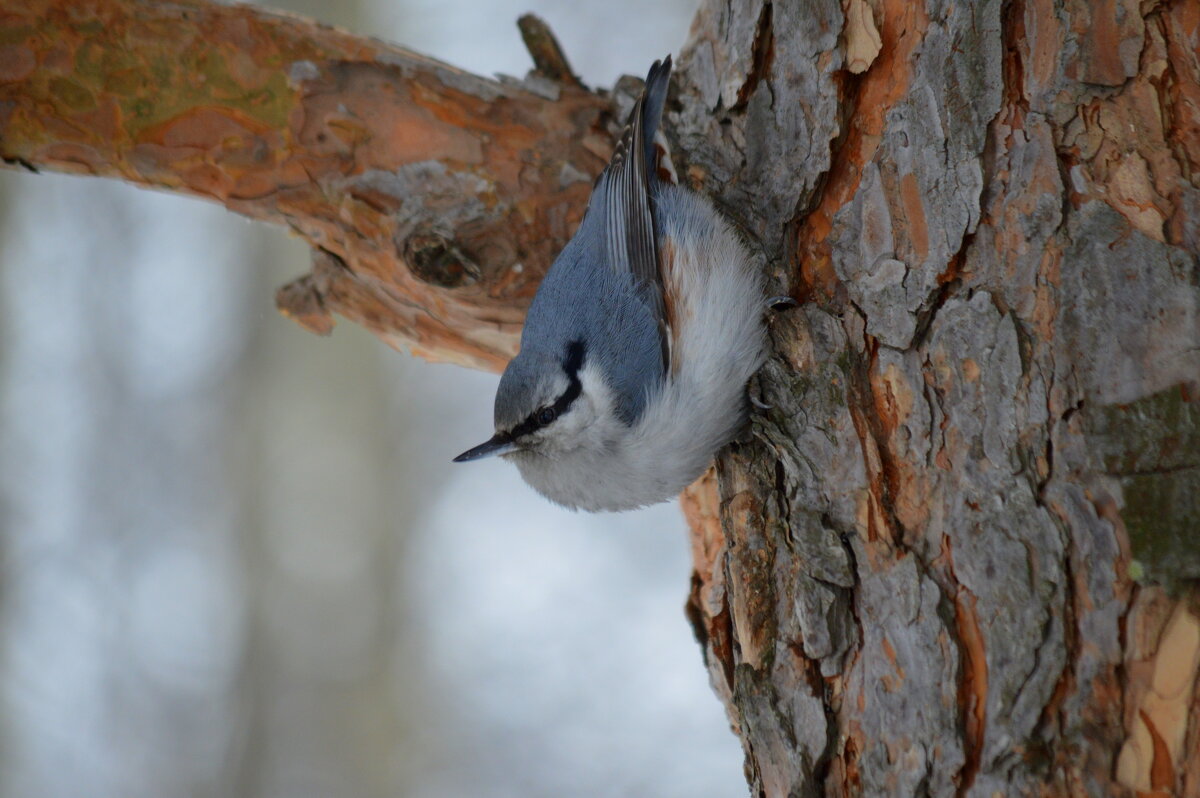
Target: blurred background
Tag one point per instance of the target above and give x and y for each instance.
(235, 559)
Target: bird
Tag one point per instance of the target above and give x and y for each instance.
(639, 342)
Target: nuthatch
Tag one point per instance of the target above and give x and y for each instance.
(640, 340)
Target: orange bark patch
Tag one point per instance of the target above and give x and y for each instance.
(907, 486)
(361, 111)
(1162, 771)
(17, 62)
(902, 28)
(849, 759)
(1155, 746)
(972, 689)
(1046, 40)
(1045, 305)
(701, 505)
(914, 213)
(893, 397)
(1134, 196)
(870, 518)
(752, 610)
(892, 683)
(707, 607)
(1139, 147)
(970, 369)
(975, 673)
(1181, 26)
(1101, 36)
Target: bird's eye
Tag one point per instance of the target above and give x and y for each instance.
(546, 415)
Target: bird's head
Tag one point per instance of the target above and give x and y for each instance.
(547, 403)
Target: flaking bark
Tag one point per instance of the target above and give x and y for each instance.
(958, 556)
(923, 577)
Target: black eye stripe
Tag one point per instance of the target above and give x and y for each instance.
(574, 361)
(576, 352)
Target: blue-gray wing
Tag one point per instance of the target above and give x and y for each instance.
(625, 190)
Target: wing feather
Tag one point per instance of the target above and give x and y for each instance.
(628, 211)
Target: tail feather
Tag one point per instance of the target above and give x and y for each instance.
(654, 96)
(625, 188)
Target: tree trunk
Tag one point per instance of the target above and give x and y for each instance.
(958, 555)
(923, 577)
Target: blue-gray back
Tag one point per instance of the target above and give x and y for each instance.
(583, 299)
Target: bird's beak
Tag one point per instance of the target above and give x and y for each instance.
(500, 443)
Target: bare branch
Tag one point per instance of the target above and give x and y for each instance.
(437, 198)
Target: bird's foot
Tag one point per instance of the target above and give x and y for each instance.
(759, 404)
(754, 392)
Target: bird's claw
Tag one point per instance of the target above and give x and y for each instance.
(758, 403)
(780, 302)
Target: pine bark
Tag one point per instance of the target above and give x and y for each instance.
(433, 199)
(958, 555)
